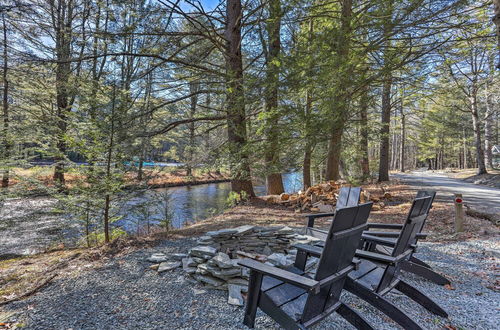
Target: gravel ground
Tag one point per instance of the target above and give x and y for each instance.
(124, 294)
(30, 225)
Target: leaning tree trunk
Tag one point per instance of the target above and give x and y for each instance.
(274, 180)
(5, 130)
(481, 167)
(236, 117)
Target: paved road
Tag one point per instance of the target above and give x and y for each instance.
(478, 197)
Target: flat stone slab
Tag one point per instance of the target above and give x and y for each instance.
(222, 232)
(169, 265)
(222, 260)
(208, 280)
(234, 295)
(158, 257)
(244, 229)
(203, 251)
(280, 260)
(178, 256)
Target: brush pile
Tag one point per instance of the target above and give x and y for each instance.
(321, 198)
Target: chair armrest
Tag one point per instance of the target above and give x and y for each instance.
(384, 225)
(379, 240)
(375, 257)
(382, 257)
(281, 274)
(312, 250)
(392, 234)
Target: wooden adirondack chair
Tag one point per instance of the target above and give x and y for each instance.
(296, 301)
(348, 196)
(378, 274)
(388, 240)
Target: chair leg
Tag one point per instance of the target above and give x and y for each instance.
(382, 304)
(254, 285)
(424, 272)
(353, 317)
(421, 298)
(417, 261)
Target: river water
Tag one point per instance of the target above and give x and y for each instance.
(30, 225)
(187, 204)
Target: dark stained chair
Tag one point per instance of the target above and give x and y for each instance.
(388, 240)
(348, 196)
(296, 301)
(378, 274)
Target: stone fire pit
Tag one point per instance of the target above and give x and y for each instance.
(214, 261)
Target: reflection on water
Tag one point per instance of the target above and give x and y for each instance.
(182, 205)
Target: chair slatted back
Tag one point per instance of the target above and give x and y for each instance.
(407, 237)
(427, 193)
(348, 196)
(427, 207)
(340, 246)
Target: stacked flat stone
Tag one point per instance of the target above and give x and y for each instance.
(262, 240)
(214, 262)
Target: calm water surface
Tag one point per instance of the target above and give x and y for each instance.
(188, 204)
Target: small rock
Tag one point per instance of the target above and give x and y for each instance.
(154, 267)
(169, 265)
(197, 292)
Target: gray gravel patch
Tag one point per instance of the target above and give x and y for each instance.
(125, 294)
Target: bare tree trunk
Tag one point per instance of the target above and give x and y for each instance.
(63, 21)
(488, 129)
(402, 144)
(341, 104)
(363, 141)
(496, 20)
(481, 167)
(193, 89)
(241, 179)
(5, 130)
(274, 180)
(107, 198)
(308, 147)
(383, 172)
